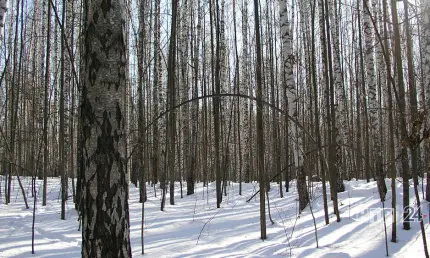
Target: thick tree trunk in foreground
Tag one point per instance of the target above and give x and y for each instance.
(105, 218)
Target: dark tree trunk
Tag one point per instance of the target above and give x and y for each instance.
(402, 108)
(216, 108)
(61, 135)
(171, 99)
(302, 188)
(260, 137)
(45, 106)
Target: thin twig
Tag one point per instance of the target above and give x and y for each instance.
(206, 224)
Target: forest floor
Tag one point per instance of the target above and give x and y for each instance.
(194, 227)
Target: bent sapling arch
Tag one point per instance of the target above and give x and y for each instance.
(216, 96)
(162, 114)
(292, 119)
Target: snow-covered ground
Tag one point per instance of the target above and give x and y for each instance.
(194, 227)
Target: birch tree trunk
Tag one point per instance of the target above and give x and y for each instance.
(14, 91)
(141, 119)
(371, 86)
(243, 89)
(331, 119)
(416, 122)
(316, 114)
(184, 87)
(288, 76)
(425, 12)
(294, 106)
(156, 91)
(105, 217)
(61, 135)
(68, 87)
(45, 106)
(41, 13)
(142, 42)
(391, 156)
(71, 17)
(3, 10)
(196, 37)
(338, 87)
(402, 114)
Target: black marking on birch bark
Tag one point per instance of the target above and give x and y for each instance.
(106, 5)
(121, 38)
(109, 156)
(105, 156)
(118, 115)
(103, 39)
(94, 67)
(96, 17)
(91, 30)
(116, 136)
(88, 119)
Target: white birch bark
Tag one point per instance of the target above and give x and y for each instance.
(3, 10)
(223, 52)
(288, 74)
(425, 12)
(341, 127)
(370, 74)
(41, 72)
(184, 36)
(105, 217)
(68, 80)
(157, 95)
(323, 47)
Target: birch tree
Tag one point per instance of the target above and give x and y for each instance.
(371, 82)
(3, 10)
(425, 20)
(45, 103)
(61, 135)
(105, 217)
(402, 116)
(156, 93)
(340, 124)
(196, 38)
(288, 76)
(243, 89)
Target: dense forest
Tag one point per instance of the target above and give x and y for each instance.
(107, 93)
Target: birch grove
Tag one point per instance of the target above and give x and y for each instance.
(168, 94)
